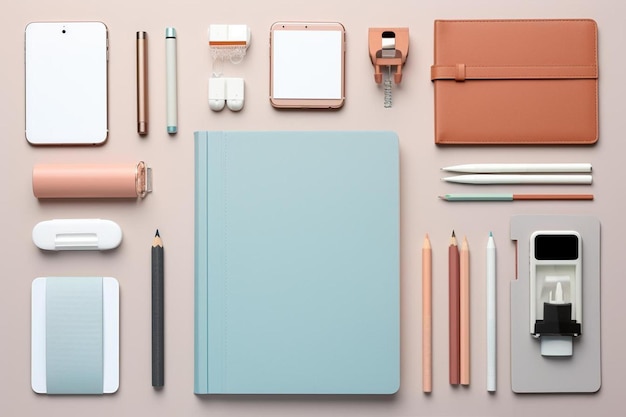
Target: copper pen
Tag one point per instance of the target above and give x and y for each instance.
(142, 83)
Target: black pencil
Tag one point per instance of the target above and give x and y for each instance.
(158, 363)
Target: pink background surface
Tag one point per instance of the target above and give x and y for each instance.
(170, 207)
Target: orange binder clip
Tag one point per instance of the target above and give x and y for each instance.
(388, 47)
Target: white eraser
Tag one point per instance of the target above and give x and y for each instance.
(231, 34)
(77, 234)
(239, 33)
(218, 33)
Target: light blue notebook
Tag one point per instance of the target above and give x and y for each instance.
(297, 263)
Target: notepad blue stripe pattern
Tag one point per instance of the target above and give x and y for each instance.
(74, 337)
(297, 262)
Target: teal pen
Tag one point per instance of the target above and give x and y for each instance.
(512, 197)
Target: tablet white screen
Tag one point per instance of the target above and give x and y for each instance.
(307, 64)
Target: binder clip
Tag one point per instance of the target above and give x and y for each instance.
(227, 42)
(388, 48)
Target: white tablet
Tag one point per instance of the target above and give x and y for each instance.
(66, 82)
(307, 64)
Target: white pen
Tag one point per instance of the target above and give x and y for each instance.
(512, 168)
(520, 179)
(491, 314)
(170, 81)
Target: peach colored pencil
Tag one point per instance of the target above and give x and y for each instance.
(453, 310)
(465, 313)
(427, 316)
(513, 197)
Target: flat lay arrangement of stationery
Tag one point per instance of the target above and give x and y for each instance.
(297, 233)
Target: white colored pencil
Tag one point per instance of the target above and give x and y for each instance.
(520, 168)
(520, 179)
(491, 314)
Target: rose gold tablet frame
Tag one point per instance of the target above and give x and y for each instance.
(307, 103)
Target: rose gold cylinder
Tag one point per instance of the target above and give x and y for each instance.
(90, 180)
(142, 83)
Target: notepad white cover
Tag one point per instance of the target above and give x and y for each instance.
(110, 293)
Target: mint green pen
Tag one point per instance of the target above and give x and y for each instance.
(170, 80)
(512, 197)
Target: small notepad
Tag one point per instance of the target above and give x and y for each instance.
(75, 335)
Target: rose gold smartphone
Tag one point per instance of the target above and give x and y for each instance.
(307, 65)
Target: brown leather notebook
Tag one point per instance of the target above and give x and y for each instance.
(516, 81)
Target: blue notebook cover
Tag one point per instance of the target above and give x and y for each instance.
(297, 285)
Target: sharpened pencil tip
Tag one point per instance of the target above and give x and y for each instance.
(453, 235)
(157, 233)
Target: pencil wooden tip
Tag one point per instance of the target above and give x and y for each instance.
(426, 242)
(157, 240)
